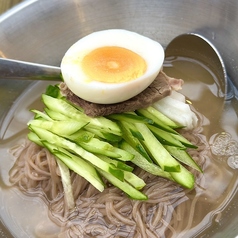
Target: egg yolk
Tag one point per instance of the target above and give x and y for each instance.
(113, 64)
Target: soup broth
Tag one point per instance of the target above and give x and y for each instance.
(27, 216)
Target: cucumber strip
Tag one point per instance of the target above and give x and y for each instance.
(62, 142)
(99, 147)
(78, 165)
(184, 141)
(132, 192)
(104, 148)
(83, 169)
(39, 114)
(131, 118)
(160, 155)
(167, 121)
(134, 180)
(136, 133)
(64, 128)
(67, 185)
(131, 178)
(111, 137)
(141, 162)
(157, 121)
(60, 105)
(133, 130)
(117, 163)
(81, 136)
(56, 115)
(124, 166)
(165, 137)
(53, 91)
(34, 138)
(184, 177)
(183, 157)
(124, 155)
(132, 140)
(104, 135)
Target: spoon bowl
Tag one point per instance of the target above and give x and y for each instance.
(195, 46)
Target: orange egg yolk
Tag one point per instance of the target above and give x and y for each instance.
(112, 64)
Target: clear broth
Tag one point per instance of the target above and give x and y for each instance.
(24, 215)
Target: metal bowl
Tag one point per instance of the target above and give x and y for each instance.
(42, 31)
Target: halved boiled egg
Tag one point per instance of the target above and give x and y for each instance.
(111, 66)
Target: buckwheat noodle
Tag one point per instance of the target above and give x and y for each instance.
(110, 213)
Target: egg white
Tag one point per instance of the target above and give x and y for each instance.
(108, 93)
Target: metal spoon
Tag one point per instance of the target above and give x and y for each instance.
(189, 45)
(195, 46)
(14, 69)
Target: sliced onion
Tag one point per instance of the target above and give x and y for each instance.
(175, 107)
(178, 96)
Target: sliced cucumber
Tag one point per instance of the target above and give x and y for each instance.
(65, 128)
(110, 137)
(104, 148)
(160, 155)
(165, 137)
(130, 117)
(164, 119)
(124, 155)
(88, 145)
(56, 115)
(184, 177)
(40, 115)
(183, 157)
(78, 165)
(35, 138)
(134, 180)
(133, 130)
(124, 166)
(81, 136)
(141, 162)
(124, 186)
(157, 121)
(184, 141)
(53, 91)
(131, 178)
(132, 140)
(119, 164)
(48, 136)
(99, 147)
(61, 106)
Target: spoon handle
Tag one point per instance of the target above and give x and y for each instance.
(14, 69)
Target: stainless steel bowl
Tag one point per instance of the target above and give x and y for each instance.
(42, 31)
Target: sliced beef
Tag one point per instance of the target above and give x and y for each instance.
(159, 88)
